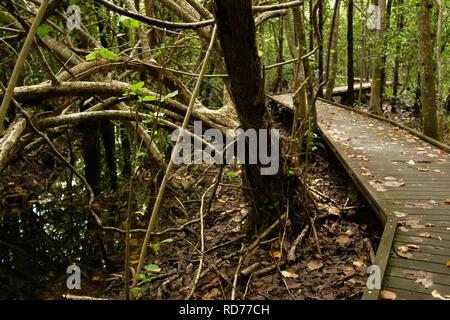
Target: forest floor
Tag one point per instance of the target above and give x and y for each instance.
(338, 273)
(344, 226)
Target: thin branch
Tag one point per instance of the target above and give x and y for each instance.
(202, 244)
(20, 62)
(175, 151)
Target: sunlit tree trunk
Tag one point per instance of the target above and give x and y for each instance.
(350, 99)
(440, 65)
(375, 95)
(332, 72)
(427, 76)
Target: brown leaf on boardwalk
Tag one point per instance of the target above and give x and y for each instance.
(404, 252)
(424, 278)
(394, 184)
(447, 202)
(419, 205)
(426, 235)
(387, 295)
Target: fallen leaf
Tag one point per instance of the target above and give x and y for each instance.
(276, 254)
(436, 294)
(403, 251)
(394, 184)
(387, 295)
(134, 242)
(334, 211)
(288, 274)
(419, 205)
(315, 265)
(399, 214)
(348, 271)
(343, 239)
(212, 295)
(447, 202)
(18, 190)
(426, 235)
(359, 264)
(411, 162)
(425, 279)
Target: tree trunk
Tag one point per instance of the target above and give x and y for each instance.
(440, 66)
(400, 26)
(384, 58)
(350, 99)
(375, 95)
(237, 36)
(427, 76)
(332, 72)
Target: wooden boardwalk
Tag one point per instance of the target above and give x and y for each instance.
(407, 182)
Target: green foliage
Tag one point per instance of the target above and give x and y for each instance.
(43, 30)
(156, 247)
(129, 22)
(101, 53)
(312, 142)
(231, 175)
(151, 273)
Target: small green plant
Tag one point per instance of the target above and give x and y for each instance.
(156, 247)
(232, 175)
(151, 273)
(312, 142)
(138, 90)
(102, 53)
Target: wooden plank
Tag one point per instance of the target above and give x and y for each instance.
(419, 265)
(409, 295)
(352, 136)
(412, 285)
(414, 275)
(427, 257)
(421, 240)
(382, 257)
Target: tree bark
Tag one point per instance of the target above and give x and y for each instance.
(427, 76)
(350, 98)
(332, 68)
(237, 34)
(375, 95)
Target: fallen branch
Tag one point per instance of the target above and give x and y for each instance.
(202, 244)
(236, 274)
(369, 247)
(299, 239)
